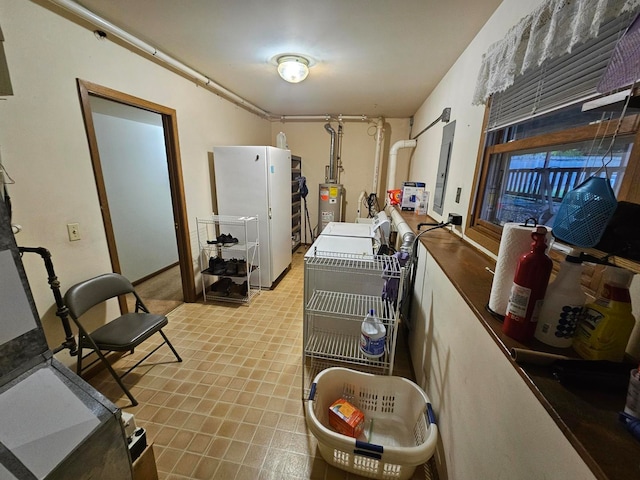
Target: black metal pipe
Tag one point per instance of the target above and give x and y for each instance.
(62, 311)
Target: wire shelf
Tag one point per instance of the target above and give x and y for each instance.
(353, 305)
(346, 348)
(357, 264)
(340, 289)
(245, 231)
(226, 220)
(216, 247)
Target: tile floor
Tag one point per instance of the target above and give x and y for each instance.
(232, 410)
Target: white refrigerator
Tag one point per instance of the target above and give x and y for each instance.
(256, 180)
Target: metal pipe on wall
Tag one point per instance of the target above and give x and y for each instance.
(175, 64)
(321, 118)
(108, 27)
(378, 154)
(332, 153)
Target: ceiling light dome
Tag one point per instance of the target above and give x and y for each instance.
(293, 68)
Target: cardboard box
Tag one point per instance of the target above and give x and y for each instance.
(345, 418)
(411, 194)
(144, 468)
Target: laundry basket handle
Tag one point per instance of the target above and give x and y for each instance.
(312, 392)
(369, 449)
(430, 414)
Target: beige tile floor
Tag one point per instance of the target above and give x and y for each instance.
(233, 408)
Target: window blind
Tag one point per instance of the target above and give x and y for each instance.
(559, 82)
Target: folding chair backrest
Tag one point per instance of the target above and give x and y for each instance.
(85, 295)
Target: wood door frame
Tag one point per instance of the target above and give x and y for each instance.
(176, 184)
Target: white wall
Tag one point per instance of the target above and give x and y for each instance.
(456, 91)
(136, 177)
(44, 144)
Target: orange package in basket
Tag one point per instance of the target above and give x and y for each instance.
(346, 419)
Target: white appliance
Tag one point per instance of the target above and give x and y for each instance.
(325, 245)
(343, 229)
(376, 231)
(256, 180)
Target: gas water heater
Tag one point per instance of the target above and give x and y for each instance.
(330, 204)
(330, 192)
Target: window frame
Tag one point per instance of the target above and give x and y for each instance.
(488, 235)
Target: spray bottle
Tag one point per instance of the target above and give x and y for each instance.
(606, 324)
(529, 286)
(562, 305)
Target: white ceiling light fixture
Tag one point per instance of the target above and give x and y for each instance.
(293, 68)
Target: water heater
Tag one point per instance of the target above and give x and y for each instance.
(329, 204)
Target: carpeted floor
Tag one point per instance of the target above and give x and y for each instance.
(161, 293)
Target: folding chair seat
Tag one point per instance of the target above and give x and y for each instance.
(121, 334)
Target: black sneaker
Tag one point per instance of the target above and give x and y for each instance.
(217, 265)
(242, 267)
(222, 286)
(232, 267)
(228, 240)
(238, 290)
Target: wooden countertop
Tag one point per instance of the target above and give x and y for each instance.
(588, 417)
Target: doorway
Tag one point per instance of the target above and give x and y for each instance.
(171, 261)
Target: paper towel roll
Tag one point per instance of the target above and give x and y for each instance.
(516, 240)
(533, 357)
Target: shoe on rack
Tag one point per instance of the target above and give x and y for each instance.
(238, 290)
(217, 265)
(242, 267)
(222, 286)
(232, 267)
(227, 240)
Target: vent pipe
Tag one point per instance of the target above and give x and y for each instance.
(393, 159)
(333, 155)
(378, 154)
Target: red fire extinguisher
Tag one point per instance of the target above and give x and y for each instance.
(528, 290)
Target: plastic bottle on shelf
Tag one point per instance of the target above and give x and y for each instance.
(372, 336)
(632, 404)
(529, 286)
(606, 324)
(281, 141)
(563, 305)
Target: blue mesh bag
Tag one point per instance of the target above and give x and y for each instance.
(585, 212)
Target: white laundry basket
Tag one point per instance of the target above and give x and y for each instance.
(403, 433)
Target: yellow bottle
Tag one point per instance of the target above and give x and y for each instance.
(606, 325)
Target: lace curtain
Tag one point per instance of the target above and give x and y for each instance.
(553, 29)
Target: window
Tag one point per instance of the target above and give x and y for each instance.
(539, 145)
(527, 168)
(531, 183)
